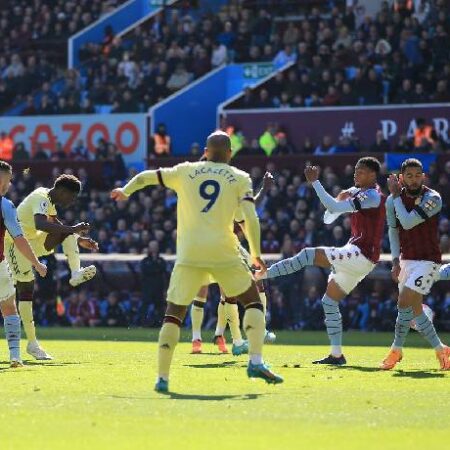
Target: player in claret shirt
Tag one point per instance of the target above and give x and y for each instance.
(351, 263)
(412, 215)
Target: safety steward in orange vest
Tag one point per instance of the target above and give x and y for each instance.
(423, 132)
(161, 141)
(6, 147)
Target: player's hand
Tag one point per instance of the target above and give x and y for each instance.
(394, 185)
(343, 195)
(312, 173)
(81, 228)
(268, 181)
(88, 244)
(395, 271)
(118, 195)
(260, 267)
(41, 269)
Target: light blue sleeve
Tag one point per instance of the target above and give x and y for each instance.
(9, 214)
(394, 238)
(363, 200)
(430, 205)
(390, 212)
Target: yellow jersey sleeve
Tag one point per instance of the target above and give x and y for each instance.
(170, 176)
(41, 204)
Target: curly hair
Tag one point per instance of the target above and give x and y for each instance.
(69, 182)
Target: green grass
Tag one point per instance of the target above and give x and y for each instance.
(98, 394)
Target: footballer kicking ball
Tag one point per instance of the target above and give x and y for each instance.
(428, 312)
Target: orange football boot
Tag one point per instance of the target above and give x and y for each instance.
(393, 357)
(196, 346)
(443, 357)
(221, 344)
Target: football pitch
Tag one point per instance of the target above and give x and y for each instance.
(98, 394)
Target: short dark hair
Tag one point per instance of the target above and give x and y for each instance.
(69, 182)
(371, 163)
(411, 162)
(5, 167)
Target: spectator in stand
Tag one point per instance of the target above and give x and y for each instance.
(381, 145)
(155, 277)
(20, 153)
(284, 57)
(80, 152)
(268, 140)
(219, 55)
(6, 147)
(283, 147)
(326, 147)
(180, 78)
(424, 136)
(160, 143)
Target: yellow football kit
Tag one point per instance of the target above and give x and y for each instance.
(209, 194)
(37, 202)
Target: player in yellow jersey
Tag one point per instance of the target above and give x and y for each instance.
(41, 227)
(209, 193)
(227, 309)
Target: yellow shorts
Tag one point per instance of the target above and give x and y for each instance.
(21, 268)
(186, 281)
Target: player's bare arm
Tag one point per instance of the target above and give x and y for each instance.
(43, 223)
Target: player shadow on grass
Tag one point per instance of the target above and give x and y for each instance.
(178, 396)
(212, 365)
(397, 373)
(419, 374)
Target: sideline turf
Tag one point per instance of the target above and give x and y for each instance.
(98, 394)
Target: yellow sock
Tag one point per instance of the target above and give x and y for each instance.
(232, 317)
(168, 339)
(263, 297)
(255, 328)
(72, 252)
(221, 319)
(26, 314)
(197, 314)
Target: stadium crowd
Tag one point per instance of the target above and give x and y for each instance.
(33, 42)
(340, 57)
(291, 219)
(400, 56)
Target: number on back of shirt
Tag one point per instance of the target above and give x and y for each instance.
(209, 190)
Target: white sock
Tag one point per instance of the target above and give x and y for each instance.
(72, 252)
(196, 336)
(238, 341)
(256, 359)
(336, 350)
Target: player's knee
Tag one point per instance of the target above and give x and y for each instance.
(25, 291)
(175, 313)
(8, 307)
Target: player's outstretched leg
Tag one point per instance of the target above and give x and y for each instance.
(426, 328)
(197, 314)
(168, 339)
(219, 338)
(240, 346)
(25, 295)
(11, 322)
(333, 323)
(269, 337)
(71, 250)
(402, 326)
(254, 327)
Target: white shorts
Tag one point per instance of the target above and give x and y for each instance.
(348, 266)
(7, 288)
(418, 276)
